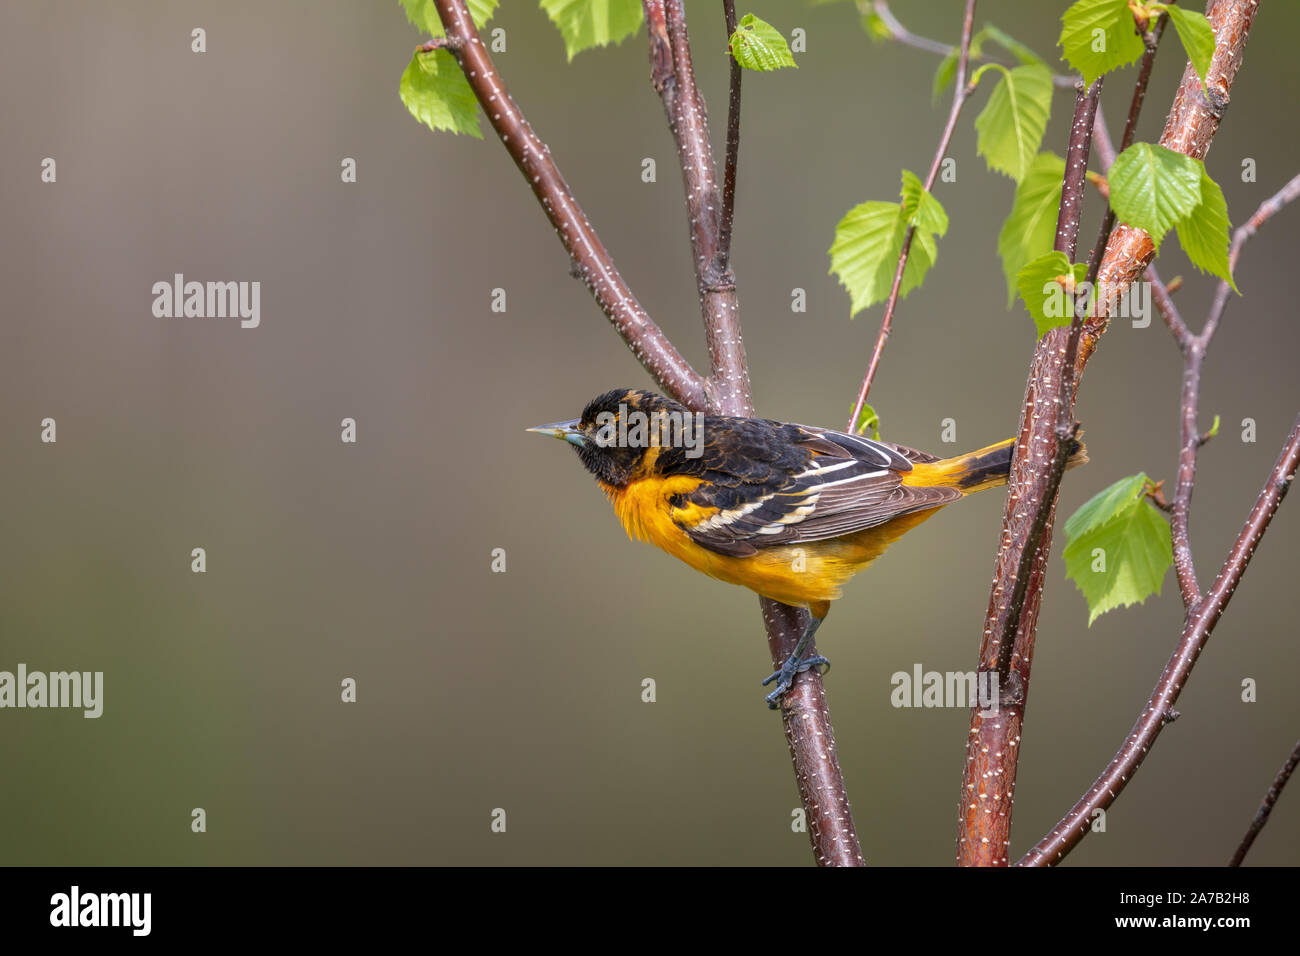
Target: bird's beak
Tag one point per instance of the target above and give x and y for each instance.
(568, 431)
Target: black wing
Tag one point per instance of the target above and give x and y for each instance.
(781, 484)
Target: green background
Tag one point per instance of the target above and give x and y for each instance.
(522, 690)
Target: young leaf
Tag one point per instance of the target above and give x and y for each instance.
(1098, 36)
(424, 15)
(869, 239)
(590, 23)
(946, 71)
(1119, 547)
(1153, 187)
(1197, 37)
(757, 45)
(437, 94)
(1030, 229)
(1203, 233)
(867, 418)
(1047, 287)
(1011, 126)
(920, 208)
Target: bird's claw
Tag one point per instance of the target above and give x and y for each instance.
(785, 676)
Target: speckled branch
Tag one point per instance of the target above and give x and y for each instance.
(1159, 712)
(805, 714)
(988, 785)
(592, 263)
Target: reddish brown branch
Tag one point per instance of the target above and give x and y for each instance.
(592, 263)
(1266, 807)
(1152, 41)
(804, 711)
(959, 97)
(674, 78)
(733, 144)
(1038, 540)
(1074, 826)
(988, 785)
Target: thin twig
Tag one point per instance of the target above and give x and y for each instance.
(733, 144)
(1152, 41)
(1266, 807)
(959, 97)
(1075, 825)
(592, 263)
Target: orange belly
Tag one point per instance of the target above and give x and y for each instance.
(808, 575)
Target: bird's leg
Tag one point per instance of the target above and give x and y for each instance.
(796, 663)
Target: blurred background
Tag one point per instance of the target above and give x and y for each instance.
(522, 690)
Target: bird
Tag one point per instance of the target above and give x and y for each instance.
(790, 511)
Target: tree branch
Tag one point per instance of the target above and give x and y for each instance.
(1037, 542)
(592, 263)
(804, 711)
(1266, 807)
(900, 34)
(733, 144)
(674, 79)
(988, 785)
(1074, 826)
(959, 97)
(1152, 41)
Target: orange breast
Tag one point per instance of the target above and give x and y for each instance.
(807, 575)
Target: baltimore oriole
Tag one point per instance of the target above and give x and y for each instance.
(789, 511)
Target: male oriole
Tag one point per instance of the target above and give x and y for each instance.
(788, 511)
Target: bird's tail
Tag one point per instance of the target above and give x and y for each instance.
(987, 468)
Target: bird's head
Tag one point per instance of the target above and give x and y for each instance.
(620, 433)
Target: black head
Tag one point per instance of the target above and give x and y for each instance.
(618, 430)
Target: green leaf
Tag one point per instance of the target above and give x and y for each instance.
(424, 15)
(1119, 547)
(1011, 126)
(1153, 187)
(1030, 229)
(757, 45)
(1098, 36)
(1197, 37)
(437, 94)
(1203, 233)
(920, 208)
(869, 239)
(867, 418)
(590, 23)
(1050, 302)
(944, 74)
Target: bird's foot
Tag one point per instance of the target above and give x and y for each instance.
(785, 676)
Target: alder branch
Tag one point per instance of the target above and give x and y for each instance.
(1037, 543)
(805, 714)
(592, 263)
(1266, 807)
(960, 94)
(1152, 41)
(673, 76)
(733, 143)
(1201, 619)
(988, 784)
(1073, 827)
